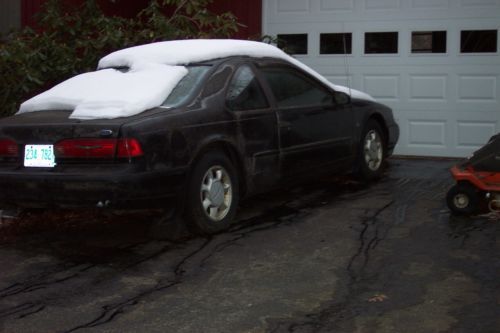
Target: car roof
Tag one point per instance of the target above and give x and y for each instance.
(182, 52)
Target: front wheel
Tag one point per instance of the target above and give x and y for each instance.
(462, 199)
(372, 152)
(213, 194)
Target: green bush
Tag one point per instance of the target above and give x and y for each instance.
(71, 40)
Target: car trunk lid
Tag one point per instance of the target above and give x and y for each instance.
(53, 127)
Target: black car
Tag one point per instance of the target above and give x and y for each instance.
(232, 127)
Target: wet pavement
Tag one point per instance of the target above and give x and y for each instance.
(333, 256)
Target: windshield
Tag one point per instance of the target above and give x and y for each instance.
(186, 86)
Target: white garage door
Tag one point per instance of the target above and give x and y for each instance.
(435, 62)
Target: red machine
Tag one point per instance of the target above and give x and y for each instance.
(478, 182)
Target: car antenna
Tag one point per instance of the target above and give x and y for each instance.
(346, 63)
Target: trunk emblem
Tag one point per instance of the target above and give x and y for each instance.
(105, 133)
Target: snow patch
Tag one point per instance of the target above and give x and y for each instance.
(155, 70)
(110, 93)
(181, 52)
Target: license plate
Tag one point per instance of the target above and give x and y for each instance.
(39, 156)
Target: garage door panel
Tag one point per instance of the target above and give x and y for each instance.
(427, 88)
(382, 87)
(477, 88)
(293, 6)
(433, 4)
(472, 135)
(479, 3)
(335, 5)
(475, 111)
(427, 133)
(382, 4)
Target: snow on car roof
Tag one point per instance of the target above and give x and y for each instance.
(155, 70)
(182, 52)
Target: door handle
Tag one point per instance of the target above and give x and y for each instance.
(286, 125)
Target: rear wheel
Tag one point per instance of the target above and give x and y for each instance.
(372, 152)
(463, 199)
(213, 194)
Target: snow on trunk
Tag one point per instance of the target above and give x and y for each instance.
(110, 93)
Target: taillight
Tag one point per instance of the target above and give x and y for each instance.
(128, 148)
(98, 148)
(8, 148)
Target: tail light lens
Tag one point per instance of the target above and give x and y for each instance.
(8, 148)
(127, 148)
(98, 148)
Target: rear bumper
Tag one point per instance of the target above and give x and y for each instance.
(119, 189)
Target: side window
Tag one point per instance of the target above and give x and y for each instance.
(290, 88)
(244, 92)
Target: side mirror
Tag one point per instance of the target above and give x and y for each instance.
(341, 98)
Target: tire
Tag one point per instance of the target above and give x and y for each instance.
(213, 194)
(463, 199)
(372, 152)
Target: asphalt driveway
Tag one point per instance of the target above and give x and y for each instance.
(333, 256)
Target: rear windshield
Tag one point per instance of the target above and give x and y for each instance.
(186, 86)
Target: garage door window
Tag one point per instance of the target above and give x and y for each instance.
(381, 42)
(428, 42)
(293, 43)
(478, 41)
(336, 43)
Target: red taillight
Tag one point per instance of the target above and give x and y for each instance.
(128, 148)
(8, 148)
(98, 148)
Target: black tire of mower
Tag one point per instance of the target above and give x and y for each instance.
(466, 190)
(363, 171)
(197, 221)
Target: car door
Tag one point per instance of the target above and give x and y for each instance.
(257, 127)
(315, 123)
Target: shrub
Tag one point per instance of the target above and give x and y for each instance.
(71, 40)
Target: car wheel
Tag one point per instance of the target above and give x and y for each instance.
(213, 194)
(372, 152)
(463, 199)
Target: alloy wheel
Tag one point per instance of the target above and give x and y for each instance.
(373, 151)
(216, 193)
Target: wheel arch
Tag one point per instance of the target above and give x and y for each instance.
(377, 117)
(227, 148)
(465, 182)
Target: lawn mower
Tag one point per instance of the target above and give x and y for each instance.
(478, 182)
